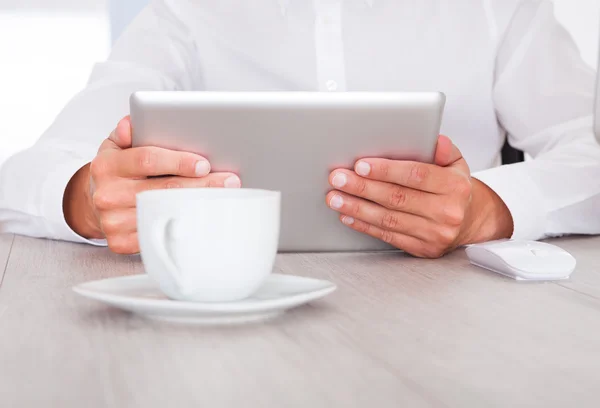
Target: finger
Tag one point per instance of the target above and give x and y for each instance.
(108, 144)
(123, 194)
(389, 195)
(121, 136)
(446, 152)
(213, 180)
(415, 175)
(154, 161)
(406, 243)
(118, 222)
(374, 214)
(124, 244)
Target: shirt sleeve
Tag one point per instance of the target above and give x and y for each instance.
(154, 53)
(544, 98)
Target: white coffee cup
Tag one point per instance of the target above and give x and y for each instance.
(211, 244)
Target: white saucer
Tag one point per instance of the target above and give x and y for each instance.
(140, 295)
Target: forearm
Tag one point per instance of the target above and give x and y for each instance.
(32, 184)
(556, 193)
(543, 93)
(43, 190)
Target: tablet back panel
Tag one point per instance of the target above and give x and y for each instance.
(290, 142)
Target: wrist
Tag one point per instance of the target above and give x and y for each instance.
(488, 217)
(77, 206)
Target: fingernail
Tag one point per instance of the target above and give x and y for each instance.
(363, 168)
(233, 182)
(336, 202)
(339, 180)
(202, 168)
(347, 220)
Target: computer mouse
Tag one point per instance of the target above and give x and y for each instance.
(523, 260)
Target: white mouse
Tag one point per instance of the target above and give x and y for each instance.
(523, 260)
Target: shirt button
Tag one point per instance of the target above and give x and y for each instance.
(327, 20)
(331, 85)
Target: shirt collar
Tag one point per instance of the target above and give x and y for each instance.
(283, 4)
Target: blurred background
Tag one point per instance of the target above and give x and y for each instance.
(48, 47)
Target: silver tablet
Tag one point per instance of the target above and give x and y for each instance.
(290, 142)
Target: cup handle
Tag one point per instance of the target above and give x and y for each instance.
(159, 234)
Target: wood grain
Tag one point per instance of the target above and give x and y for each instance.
(6, 242)
(586, 278)
(399, 332)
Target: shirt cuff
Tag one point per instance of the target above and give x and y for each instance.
(52, 202)
(521, 195)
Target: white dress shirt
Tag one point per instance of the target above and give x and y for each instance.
(507, 67)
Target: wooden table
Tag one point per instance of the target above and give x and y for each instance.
(399, 332)
(6, 242)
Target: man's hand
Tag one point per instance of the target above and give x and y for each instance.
(426, 210)
(100, 200)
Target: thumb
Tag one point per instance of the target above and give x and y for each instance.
(121, 136)
(446, 152)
